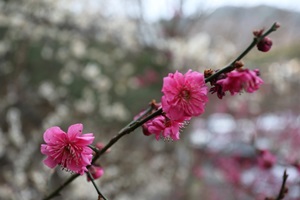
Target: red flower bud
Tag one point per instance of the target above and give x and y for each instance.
(265, 44)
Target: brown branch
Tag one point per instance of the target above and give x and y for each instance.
(100, 195)
(283, 189)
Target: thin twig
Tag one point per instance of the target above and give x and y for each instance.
(255, 41)
(96, 187)
(283, 189)
(126, 130)
(95, 149)
(56, 192)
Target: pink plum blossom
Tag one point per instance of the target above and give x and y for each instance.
(69, 150)
(163, 126)
(184, 95)
(154, 105)
(144, 126)
(240, 79)
(96, 172)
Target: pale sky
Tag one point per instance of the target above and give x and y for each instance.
(154, 9)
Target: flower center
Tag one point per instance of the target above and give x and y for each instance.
(168, 122)
(71, 153)
(185, 94)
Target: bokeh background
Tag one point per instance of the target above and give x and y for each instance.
(101, 62)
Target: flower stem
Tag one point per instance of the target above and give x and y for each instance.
(100, 195)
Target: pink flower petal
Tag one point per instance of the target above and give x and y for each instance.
(44, 149)
(84, 141)
(50, 162)
(75, 130)
(50, 134)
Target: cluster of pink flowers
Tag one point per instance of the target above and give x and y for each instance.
(185, 96)
(236, 81)
(69, 150)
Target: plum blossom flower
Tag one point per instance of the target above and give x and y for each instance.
(162, 126)
(144, 126)
(69, 150)
(184, 95)
(240, 79)
(155, 106)
(96, 172)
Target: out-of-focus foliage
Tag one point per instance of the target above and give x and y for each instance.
(61, 64)
(58, 69)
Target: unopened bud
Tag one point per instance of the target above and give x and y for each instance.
(208, 72)
(258, 33)
(154, 104)
(276, 25)
(265, 44)
(238, 64)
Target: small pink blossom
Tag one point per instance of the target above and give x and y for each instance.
(69, 150)
(155, 107)
(145, 129)
(144, 126)
(240, 79)
(184, 95)
(96, 172)
(163, 126)
(266, 159)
